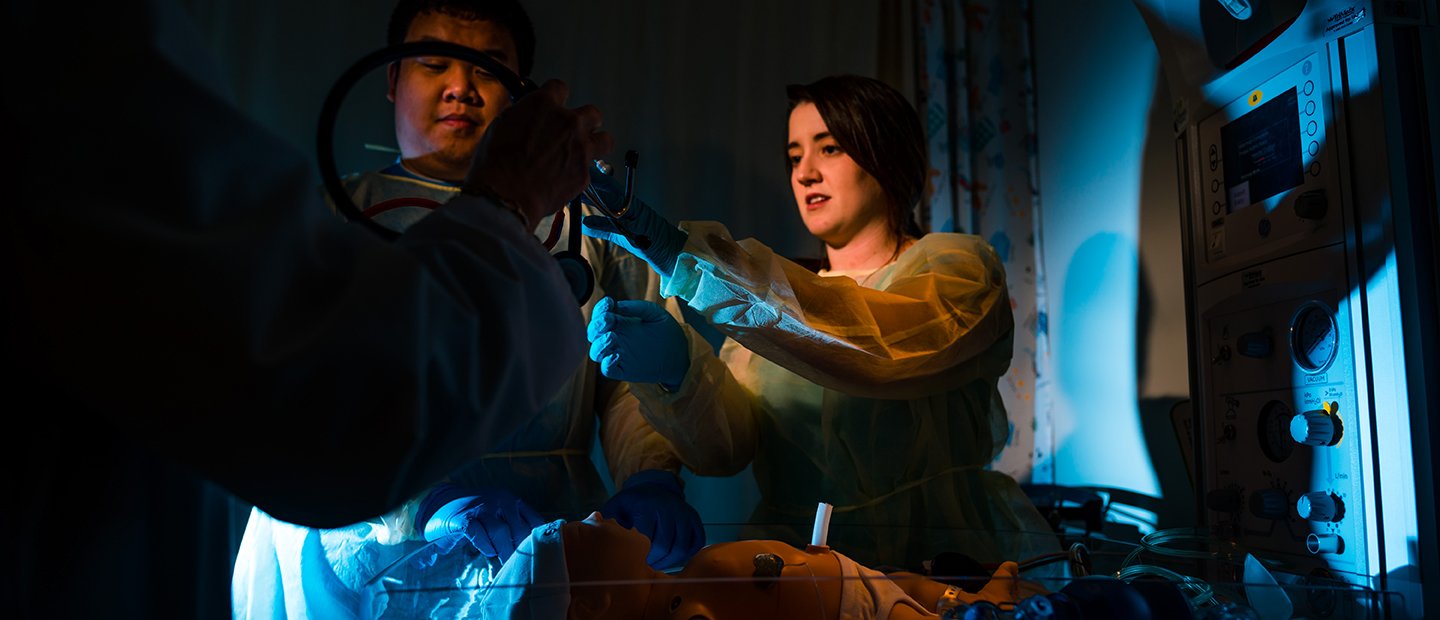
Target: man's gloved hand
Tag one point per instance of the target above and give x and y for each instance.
(651, 502)
(536, 152)
(639, 342)
(662, 241)
(493, 520)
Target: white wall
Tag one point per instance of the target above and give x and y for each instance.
(1108, 196)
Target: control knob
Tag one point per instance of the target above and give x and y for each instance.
(1317, 427)
(1320, 506)
(1311, 205)
(1269, 504)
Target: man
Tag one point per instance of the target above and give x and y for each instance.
(185, 323)
(442, 108)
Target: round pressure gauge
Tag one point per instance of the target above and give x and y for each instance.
(1314, 338)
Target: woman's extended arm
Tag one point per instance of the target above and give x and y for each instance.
(935, 324)
(710, 418)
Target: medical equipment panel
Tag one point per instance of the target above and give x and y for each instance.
(1308, 191)
(1283, 422)
(1268, 174)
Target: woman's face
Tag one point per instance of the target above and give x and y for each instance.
(837, 198)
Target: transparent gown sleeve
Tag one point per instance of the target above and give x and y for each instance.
(630, 443)
(710, 419)
(628, 440)
(942, 307)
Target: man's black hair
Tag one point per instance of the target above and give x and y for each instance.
(506, 13)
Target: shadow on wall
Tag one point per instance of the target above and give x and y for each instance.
(1104, 268)
(1162, 439)
(1104, 383)
(1166, 444)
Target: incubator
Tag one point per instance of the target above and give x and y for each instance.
(1099, 577)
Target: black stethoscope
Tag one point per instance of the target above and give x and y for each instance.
(576, 269)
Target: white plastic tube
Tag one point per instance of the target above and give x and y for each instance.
(822, 525)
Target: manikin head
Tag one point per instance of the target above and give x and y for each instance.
(442, 105)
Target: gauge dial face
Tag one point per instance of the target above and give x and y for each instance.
(1274, 429)
(1314, 337)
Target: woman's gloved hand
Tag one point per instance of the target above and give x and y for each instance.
(651, 502)
(660, 239)
(493, 520)
(639, 342)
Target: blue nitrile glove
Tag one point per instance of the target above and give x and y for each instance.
(493, 520)
(639, 342)
(664, 240)
(651, 502)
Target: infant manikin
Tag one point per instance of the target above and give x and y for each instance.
(595, 568)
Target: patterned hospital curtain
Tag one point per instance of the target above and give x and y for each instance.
(977, 99)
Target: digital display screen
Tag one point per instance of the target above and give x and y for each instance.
(1261, 152)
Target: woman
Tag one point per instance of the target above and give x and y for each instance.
(871, 385)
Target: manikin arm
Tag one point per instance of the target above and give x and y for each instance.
(1003, 587)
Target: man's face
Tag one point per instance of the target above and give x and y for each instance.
(442, 105)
